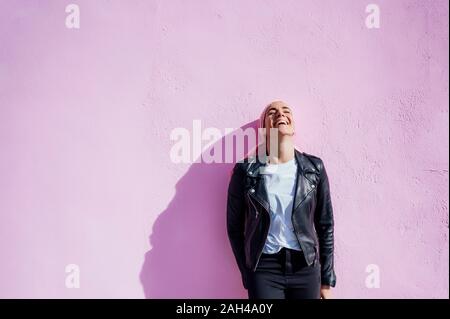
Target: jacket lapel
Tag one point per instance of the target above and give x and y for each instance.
(255, 171)
(304, 184)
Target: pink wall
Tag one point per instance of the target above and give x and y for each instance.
(86, 115)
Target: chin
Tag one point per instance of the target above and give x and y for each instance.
(284, 132)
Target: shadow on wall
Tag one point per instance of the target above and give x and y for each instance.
(191, 256)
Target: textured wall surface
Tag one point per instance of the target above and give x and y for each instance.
(86, 115)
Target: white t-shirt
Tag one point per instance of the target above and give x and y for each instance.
(280, 182)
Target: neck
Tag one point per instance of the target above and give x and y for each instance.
(286, 150)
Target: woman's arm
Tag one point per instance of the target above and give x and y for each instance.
(236, 219)
(324, 224)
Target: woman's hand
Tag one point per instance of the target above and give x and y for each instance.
(325, 292)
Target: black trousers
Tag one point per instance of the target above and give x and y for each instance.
(284, 275)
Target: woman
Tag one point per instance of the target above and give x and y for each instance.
(280, 217)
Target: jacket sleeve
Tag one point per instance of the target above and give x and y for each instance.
(236, 219)
(324, 224)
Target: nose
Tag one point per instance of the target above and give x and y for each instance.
(279, 114)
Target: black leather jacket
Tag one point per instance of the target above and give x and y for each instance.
(248, 216)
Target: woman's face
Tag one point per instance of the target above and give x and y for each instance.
(279, 115)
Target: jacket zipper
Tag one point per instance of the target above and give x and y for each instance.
(261, 249)
(293, 210)
(296, 234)
(292, 217)
(253, 206)
(292, 213)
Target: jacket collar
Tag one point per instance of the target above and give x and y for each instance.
(304, 183)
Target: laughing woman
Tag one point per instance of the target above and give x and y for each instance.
(280, 217)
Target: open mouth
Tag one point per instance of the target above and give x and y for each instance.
(282, 122)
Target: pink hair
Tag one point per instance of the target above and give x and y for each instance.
(262, 117)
